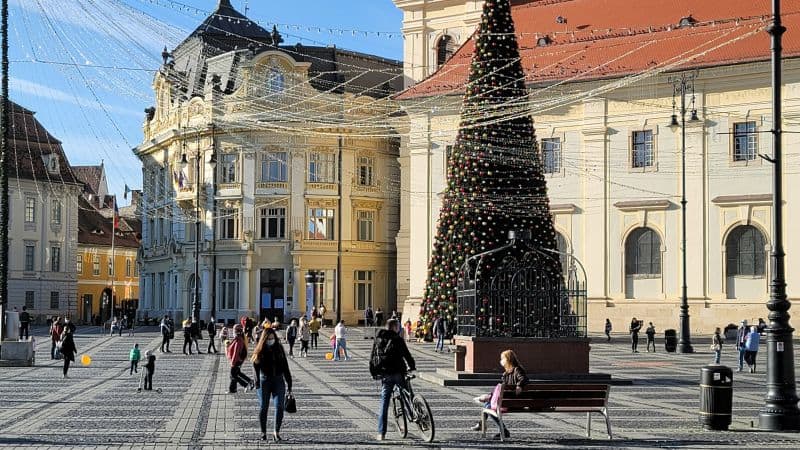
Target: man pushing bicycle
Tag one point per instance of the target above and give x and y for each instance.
(390, 361)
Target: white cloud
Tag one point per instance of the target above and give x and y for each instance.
(20, 86)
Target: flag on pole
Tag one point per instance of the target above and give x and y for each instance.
(127, 190)
(116, 215)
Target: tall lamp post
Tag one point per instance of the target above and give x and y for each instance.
(185, 163)
(780, 410)
(681, 86)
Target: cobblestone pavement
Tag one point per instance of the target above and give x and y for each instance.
(99, 407)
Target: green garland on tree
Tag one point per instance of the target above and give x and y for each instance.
(495, 182)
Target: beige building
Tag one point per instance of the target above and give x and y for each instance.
(43, 220)
(298, 208)
(602, 101)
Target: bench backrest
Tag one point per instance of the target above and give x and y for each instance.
(547, 397)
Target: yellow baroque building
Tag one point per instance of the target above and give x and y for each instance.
(269, 187)
(602, 79)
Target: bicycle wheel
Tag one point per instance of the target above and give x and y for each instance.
(399, 417)
(424, 417)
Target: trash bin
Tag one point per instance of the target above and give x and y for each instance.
(670, 340)
(716, 397)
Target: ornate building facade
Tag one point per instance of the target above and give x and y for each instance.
(602, 98)
(252, 143)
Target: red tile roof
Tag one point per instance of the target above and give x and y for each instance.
(615, 38)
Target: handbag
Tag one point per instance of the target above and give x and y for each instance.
(291, 404)
(495, 396)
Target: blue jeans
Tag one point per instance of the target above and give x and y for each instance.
(717, 354)
(741, 357)
(440, 343)
(276, 388)
(387, 387)
(340, 343)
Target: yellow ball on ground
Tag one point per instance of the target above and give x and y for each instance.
(329, 356)
(86, 360)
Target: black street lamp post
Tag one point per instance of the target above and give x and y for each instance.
(780, 412)
(681, 86)
(184, 164)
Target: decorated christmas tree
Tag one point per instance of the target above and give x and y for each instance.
(495, 182)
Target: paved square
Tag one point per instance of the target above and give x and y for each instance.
(98, 407)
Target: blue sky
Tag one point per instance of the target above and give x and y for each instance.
(86, 66)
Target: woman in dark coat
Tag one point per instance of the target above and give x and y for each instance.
(272, 370)
(68, 349)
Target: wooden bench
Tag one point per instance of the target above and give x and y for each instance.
(552, 398)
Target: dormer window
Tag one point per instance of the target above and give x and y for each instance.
(51, 162)
(275, 82)
(687, 21)
(543, 41)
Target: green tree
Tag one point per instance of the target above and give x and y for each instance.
(495, 182)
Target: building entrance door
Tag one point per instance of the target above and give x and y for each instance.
(272, 300)
(87, 309)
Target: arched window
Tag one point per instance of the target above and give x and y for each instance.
(745, 253)
(643, 253)
(275, 82)
(445, 48)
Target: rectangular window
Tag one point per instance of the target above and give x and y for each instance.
(745, 141)
(30, 255)
(551, 155)
(30, 210)
(55, 259)
(363, 289)
(273, 167)
(79, 264)
(56, 212)
(322, 168)
(366, 171)
(320, 224)
(54, 303)
(229, 288)
(642, 155)
(273, 223)
(366, 225)
(229, 224)
(96, 266)
(30, 301)
(228, 167)
(128, 267)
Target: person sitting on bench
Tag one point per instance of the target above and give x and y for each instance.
(513, 375)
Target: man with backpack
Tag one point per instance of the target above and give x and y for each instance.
(389, 362)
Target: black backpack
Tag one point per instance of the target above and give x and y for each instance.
(382, 352)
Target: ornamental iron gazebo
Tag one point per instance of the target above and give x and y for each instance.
(522, 297)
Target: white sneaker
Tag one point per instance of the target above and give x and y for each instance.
(380, 437)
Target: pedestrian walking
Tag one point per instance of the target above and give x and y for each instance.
(369, 316)
(751, 348)
(273, 380)
(716, 345)
(379, 317)
(651, 337)
(341, 341)
(305, 334)
(314, 327)
(131, 324)
(116, 324)
(68, 349)
(237, 353)
(24, 323)
(322, 311)
(134, 357)
(149, 370)
(439, 332)
(211, 328)
(55, 337)
(291, 336)
(390, 361)
(197, 335)
(608, 330)
(166, 333)
(187, 336)
(741, 338)
(634, 330)
(513, 375)
(408, 335)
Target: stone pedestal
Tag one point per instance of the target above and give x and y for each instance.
(537, 355)
(17, 353)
